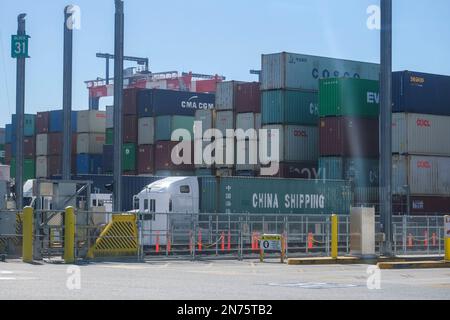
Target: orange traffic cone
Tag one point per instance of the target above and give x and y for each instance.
(157, 242)
(199, 240)
(310, 240)
(222, 246)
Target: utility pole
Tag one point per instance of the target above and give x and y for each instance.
(118, 93)
(386, 124)
(67, 93)
(19, 50)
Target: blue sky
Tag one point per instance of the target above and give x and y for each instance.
(211, 36)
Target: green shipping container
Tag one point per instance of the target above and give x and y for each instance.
(361, 171)
(29, 169)
(109, 136)
(349, 97)
(271, 196)
(166, 125)
(129, 157)
(290, 107)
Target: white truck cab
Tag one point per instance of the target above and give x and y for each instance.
(168, 205)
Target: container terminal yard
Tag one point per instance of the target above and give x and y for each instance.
(323, 172)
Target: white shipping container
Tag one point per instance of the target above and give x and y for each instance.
(90, 143)
(5, 173)
(246, 121)
(423, 175)
(42, 144)
(224, 121)
(146, 131)
(296, 143)
(109, 117)
(91, 121)
(206, 117)
(420, 134)
(41, 167)
(298, 71)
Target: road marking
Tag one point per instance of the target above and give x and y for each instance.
(6, 272)
(4, 278)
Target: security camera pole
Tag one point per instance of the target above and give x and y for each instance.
(386, 124)
(19, 51)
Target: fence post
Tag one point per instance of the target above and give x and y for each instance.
(334, 236)
(69, 235)
(27, 232)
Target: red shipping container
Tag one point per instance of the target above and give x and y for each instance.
(130, 129)
(248, 98)
(146, 159)
(130, 101)
(54, 166)
(349, 137)
(55, 144)
(421, 205)
(8, 153)
(29, 147)
(163, 155)
(42, 122)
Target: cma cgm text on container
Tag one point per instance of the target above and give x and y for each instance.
(302, 72)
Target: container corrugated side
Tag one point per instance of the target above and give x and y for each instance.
(302, 72)
(296, 143)
(165, 126)
(421, 134)
(423, 93)
(423, 175)
(146, 131)
(290, 107)
(363, 172)
(271, 196)
(224, 121)
(349, 97)
(91, 121)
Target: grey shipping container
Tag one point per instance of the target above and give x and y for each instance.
(421, 134)
(421, 175)
(296, 143)
(302, 72)
(226, 95)
(90, 143)
(206, 117)
(224, 121)
(246, 121)
(42, 144)
(91, 121)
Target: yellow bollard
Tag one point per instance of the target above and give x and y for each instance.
(447, 237)
(69, 236)
(27, 232)
(334, 236)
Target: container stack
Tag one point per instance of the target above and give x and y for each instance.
(349, 135)
(91, 137)
(2, 145)
(421, 127)
(29, 146)
(247, 106)
(49, 143)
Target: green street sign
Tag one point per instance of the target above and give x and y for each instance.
(19, 46)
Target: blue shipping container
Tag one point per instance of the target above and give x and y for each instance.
(56, 121)
(156, 102)
(8, 133)
(108, 158)
(416, 92)
(89, 164)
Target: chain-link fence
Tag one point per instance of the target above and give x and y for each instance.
(10, 233)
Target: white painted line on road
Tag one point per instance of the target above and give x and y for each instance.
(4, 278)
(6, 272)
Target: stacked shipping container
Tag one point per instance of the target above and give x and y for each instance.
(290, 84)
(349, 126)
(421, 127)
